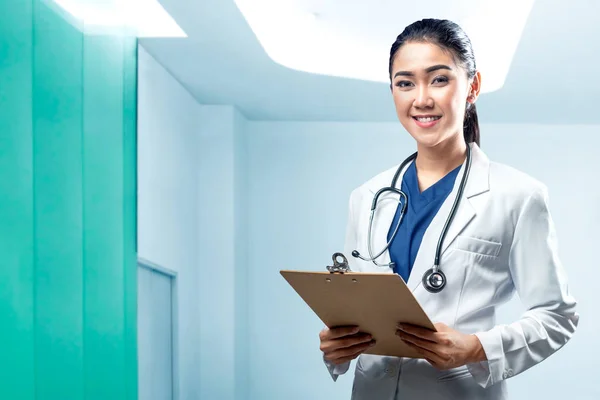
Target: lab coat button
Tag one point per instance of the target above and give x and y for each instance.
(390, 371)
(505, 375)
(510, 372)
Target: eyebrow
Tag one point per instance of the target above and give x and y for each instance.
(427, 70)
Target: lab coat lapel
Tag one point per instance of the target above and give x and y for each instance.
(477, 183)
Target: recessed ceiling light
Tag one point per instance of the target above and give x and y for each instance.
(353, 39)
(145, 18)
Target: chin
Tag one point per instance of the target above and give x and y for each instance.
(427, 139)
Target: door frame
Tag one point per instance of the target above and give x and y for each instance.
(143, 263)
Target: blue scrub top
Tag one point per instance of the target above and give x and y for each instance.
(421, 209)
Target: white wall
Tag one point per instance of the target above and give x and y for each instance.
(187, 222)
(168, 123)
(219, 259)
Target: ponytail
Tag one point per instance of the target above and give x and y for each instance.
(471, 125)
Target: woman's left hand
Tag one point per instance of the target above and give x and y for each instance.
(444, 349)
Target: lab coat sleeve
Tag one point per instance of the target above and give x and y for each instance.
(541, 282)
(349, 245)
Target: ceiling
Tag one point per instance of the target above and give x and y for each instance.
(554, 77)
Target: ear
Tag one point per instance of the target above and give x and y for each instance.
(474, 88)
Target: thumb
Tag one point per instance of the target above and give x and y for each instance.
(440, 326)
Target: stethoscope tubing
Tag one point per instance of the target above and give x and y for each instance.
(433, 278)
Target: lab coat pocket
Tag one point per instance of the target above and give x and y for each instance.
(454, 374)
(477, 246)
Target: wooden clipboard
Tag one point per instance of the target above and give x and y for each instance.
(376, 302)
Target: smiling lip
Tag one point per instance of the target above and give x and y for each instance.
(430, 120)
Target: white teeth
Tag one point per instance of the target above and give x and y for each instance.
(428, 119)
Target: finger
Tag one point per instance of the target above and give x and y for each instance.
(346, 358)
(427, 353)
(341, 331)
(345, 342)
(419, 332)
(424, 343)
(349, 353)
(338, 351)
(342, 360)
(429, 344)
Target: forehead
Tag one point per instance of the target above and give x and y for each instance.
(415, 56)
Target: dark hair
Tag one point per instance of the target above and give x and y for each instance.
(449, 36)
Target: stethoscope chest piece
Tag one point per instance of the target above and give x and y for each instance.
(434, 281)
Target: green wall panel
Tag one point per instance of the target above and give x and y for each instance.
(68, 208)
(57, 193)
(104, 216)
(16, 202)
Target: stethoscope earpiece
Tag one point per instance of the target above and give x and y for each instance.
(434, 282)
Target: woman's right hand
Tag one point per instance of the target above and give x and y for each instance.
(343, 344)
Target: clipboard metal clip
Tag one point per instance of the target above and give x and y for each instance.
(339, 267)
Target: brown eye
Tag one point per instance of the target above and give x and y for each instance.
(403, 84)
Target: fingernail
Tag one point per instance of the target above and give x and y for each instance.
(400, 326)
(372, 344)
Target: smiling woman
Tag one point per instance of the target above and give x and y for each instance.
(430, 82)
(487, 224)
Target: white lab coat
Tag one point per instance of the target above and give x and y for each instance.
(501, 240)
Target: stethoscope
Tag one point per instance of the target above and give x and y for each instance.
(434, 279)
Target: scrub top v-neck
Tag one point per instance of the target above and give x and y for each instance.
(422, 207)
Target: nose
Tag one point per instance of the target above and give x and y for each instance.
(423, 98)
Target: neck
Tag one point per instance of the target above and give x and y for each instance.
(439, 160)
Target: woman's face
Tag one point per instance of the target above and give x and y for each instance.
(430, 93)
